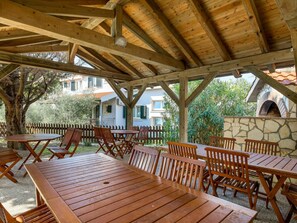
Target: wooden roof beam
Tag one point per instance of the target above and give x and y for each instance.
(208, 27)
(273, 83)
(28, 41)
(172, 31)
(34, 49)
(141, 34)
(67, 9)
(288, 9)
(8, 69)
(222, 67)
(48, 64)
(23, 17)
(11, 33)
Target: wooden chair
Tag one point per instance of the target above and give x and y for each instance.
(114, 147)
(39, 214)
(290, 191)
(141, 137)
(182, 149)
(61, 152)
(231, 170)
(99, 138)
(8, 158)
(65, 143)
(262, 147)
(184, 171)
(223, 142)
(144, 158)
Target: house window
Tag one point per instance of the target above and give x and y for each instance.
(158, 121)
(90, 82)
(98, 82)
(157, 105)
(65, 84)
(140, 112)
(73, 86)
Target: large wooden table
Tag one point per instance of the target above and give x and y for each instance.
(97, 188)
(282, 167)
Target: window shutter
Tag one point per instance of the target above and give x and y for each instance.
(143, 112)
(124, 111)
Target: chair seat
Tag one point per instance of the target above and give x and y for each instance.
(39, 214)
(59, 150)
(237, 185)
(56, 147)
(8, 158)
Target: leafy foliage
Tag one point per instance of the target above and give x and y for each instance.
(62, 109)
(206, 112)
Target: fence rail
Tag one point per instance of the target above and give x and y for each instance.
(157, 134)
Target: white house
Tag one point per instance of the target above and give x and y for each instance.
(148, 110)
(109, 109)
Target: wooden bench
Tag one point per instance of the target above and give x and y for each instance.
(8, 158)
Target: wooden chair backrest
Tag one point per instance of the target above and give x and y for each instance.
(262, 147)
(143, 133)
(144, 158)
(98, 133)
(67, 138)
(182, 170)
(182, 149)
(75, 140)
(228, 163)
(107, 135)
(5, 217)
(223, 142)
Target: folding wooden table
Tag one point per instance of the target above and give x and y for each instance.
(98, 188)
(282, 167)
(26, 139)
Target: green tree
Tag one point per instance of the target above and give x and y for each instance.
(206, 112)
(62, 109)
(22, 88)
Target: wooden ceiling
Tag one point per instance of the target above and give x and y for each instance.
(166, 39)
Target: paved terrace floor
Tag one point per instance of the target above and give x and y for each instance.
(20, 197)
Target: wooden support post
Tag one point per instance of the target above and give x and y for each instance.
(129, 123)
(183, 110)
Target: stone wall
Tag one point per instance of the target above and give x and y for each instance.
(281, 130)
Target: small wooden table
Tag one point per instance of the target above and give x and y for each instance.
(282, 167)
(127, 135)
(98, 188)
(26, 139)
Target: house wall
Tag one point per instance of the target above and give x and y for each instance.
(281, 130)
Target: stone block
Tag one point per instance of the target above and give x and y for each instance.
(244, 121)
(273, 137)
(294, 136)
(227, 126)
(271, 126)
(260, 123)
(284, 132)
(293, 126)
(287, 144)
(255, 134)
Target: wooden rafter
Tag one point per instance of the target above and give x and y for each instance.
(8, 69)
(118, 91)
(136, 74)
(208, 27)
(141, 34)
(138, 95)
(34, 49)
(256, 24)
(9, 33)
(29, 41)
(273, 83)
(59, 29)
(48, 64)
(67, 10)
(223, 67)
(172, 31)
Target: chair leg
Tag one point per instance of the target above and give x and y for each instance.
(290, 213)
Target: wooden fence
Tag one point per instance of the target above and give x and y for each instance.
(157, 134)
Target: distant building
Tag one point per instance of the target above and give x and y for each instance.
(109, 109)
(270, 102)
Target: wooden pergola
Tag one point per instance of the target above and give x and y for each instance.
(135, 44)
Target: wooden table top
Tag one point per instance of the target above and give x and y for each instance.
(31, 137)
(124, 131)
(97, 188)
(279, 165)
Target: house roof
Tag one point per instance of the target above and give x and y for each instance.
(283, 77)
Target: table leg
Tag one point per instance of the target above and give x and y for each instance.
(28, 155)
(271, 193)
